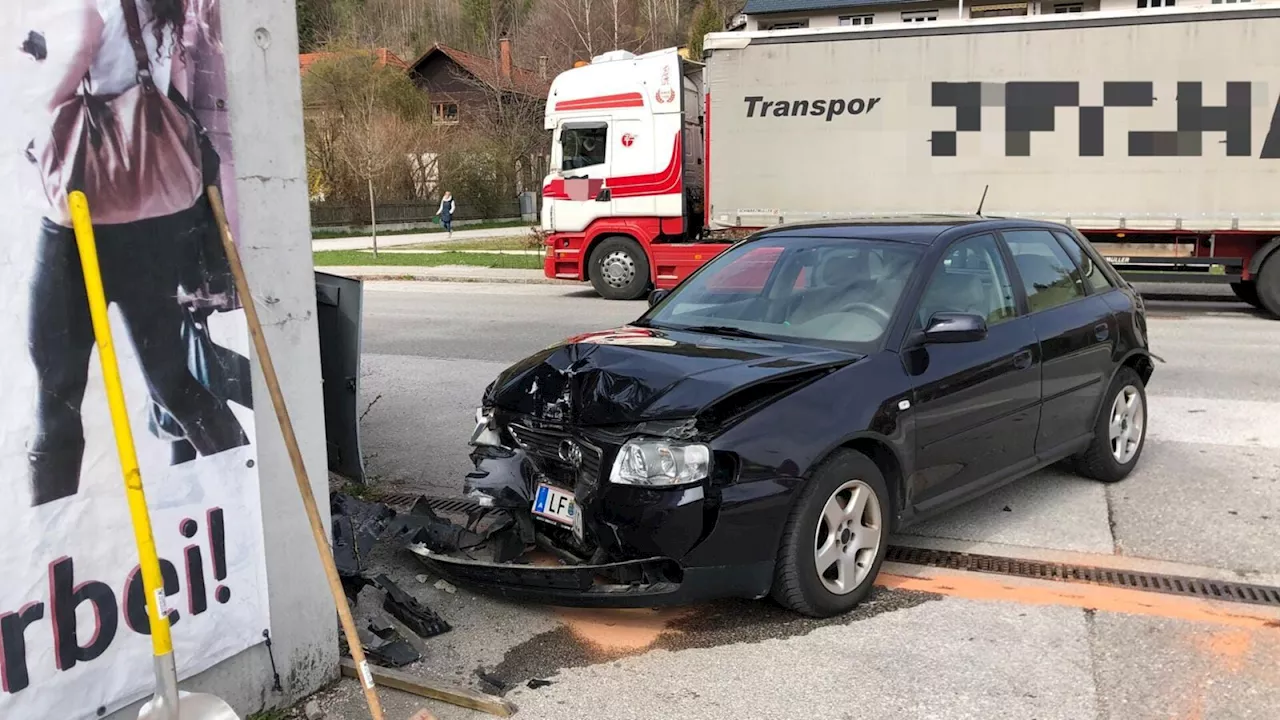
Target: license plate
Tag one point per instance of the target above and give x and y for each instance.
(554, 504)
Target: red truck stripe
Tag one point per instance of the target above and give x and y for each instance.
(603, 102)
(666, 182)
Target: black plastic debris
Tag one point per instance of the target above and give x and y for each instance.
(384, 645)
(510, 536)
(357, 527)
(538, 683)
(502, 479)
(421, 525)
(404, 607)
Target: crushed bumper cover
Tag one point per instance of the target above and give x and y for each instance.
(665, 581)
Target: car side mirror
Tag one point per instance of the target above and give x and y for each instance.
(953, 327)
(658, 296)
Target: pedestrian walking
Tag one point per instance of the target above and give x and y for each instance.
(447, 208)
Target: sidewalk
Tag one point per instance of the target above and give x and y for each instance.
(365, 242)
(444, 273)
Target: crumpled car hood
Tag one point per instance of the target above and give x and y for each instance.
(635, 374)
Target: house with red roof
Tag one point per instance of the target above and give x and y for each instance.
(461, 84)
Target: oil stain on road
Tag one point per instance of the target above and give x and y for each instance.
(591, 637)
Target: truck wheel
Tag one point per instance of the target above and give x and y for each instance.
(619, 269)
(1268, 285)
(835, 538)
(1247, 290)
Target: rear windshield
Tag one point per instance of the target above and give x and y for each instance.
(825, 290)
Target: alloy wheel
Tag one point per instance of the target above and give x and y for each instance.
(1128, 418)
(848, 537)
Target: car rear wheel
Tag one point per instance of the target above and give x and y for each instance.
(835, 538)
(619, 269)
(1247, 290)
(1120, 432)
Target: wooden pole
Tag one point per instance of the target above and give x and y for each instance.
(373, 218)
(364, 674)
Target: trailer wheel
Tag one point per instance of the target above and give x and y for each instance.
(1268, 285)
(619, 269)
(1247, 290)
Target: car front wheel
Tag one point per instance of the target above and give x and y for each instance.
(1120, 432)
(835, 538)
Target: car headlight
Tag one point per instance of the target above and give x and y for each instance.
(661, 463)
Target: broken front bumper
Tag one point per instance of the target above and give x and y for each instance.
(631, 546)
(664, 581)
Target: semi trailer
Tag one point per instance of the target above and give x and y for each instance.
(1155, 133)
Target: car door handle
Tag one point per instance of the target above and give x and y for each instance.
(1102, 331)
(1022, 360)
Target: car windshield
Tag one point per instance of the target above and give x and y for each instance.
(825, 290)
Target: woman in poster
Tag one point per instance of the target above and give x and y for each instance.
(148, 249)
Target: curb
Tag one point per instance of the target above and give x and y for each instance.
(391, 277)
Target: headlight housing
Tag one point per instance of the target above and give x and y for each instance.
(649, 462)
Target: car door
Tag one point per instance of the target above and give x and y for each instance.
(1076, 329)
(976, 404)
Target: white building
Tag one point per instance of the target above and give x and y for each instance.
(789, 14)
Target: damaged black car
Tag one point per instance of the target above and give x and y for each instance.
(763, 428)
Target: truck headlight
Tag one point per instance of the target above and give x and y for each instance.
(661, 463)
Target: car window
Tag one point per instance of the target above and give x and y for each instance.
(583, 144)
(1089, 270)
(1049, 276)
(835, 290)
(972, 278)
(747, 275)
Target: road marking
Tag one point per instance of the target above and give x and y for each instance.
(1213, 421)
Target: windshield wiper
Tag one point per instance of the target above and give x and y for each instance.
(726, 330)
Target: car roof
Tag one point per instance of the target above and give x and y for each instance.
(922, 229)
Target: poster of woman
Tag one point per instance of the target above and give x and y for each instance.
(126, 100)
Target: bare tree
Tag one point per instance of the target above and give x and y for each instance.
(362, 117)
(507, 120)
(376, 144)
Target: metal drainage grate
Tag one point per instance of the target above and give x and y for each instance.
(999, 565)
(1150, 582)
(404, 501)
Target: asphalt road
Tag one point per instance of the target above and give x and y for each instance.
(931, 644)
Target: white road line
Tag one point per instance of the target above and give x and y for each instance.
(1213, 421)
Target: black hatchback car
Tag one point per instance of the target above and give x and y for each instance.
(765, 426)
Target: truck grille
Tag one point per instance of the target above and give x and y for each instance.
(544, 445)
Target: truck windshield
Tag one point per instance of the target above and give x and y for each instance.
(583, 144)
(825, 290)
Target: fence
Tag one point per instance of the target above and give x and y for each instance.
(325, 215)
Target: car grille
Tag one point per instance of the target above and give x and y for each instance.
(543, 446)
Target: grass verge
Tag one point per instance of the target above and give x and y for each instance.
(488, 260)
(506, 242)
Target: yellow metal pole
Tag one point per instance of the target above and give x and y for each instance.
(161, 641)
